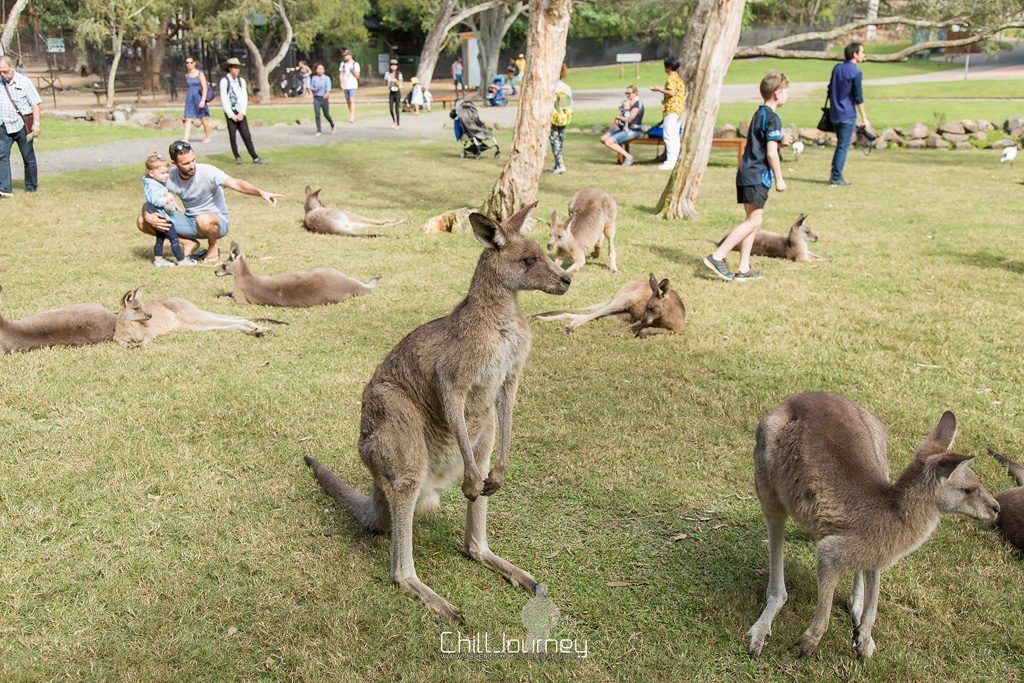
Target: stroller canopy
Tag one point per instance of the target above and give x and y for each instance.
(469, 117)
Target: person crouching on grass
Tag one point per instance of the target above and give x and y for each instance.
(758, 168)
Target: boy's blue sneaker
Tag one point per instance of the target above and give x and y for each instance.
(187, 261)
(747, 276)
(718, 267)
(162, 263)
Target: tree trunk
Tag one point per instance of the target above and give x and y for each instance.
(116, 40)
(516, 187)
(11, 27)
(489, 37)
(158, 53)
(723, 32)
(434, 42)
(872, 14)
(689, 54)
(262, 68)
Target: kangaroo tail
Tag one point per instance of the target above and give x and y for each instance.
(359, 504)
(372, 284)
(1013, 469)
(564, 311)
(268, 320)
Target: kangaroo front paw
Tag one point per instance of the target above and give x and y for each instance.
(494, 481)
(865, 646)
(472, 488)
(806, 645)
(757, 640)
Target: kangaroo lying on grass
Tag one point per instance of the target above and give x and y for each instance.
(792, 247)
(429, 411)
(591, 217)
(139, 323)
(652, 306)
(328, 221)
(821, 459)
(1011, 504)
(305, 288)
(72, 326)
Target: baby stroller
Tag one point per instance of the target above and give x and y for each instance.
(496, 95)
(291, 83)
(471, 130)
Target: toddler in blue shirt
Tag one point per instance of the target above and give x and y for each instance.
(160, 200)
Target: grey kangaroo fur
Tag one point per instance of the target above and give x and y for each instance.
(306, 288)
(327, 221)
(430, 409)
(821, 459)
(141, 323)
(652, 307)
(1011, 504)
(591, 217)
(76, 325)
(792, 246)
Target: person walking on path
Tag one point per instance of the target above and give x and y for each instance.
(234, 98)
(394, 80)
(626, 127)
(759, 167)
(320, 84)
(846, 100)
(201, 190)
(560, 118)
(672, 108)
(196, 88)
(19, 123)
(348, 75)
(307, 77)
(520, 69)
(458, 77)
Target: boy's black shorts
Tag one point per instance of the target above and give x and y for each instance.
(752, 194)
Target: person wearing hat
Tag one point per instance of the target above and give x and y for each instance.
(394, 80)
(416, 96)
(234, 98)
(321, 86)
(348, 74)
(520, 69)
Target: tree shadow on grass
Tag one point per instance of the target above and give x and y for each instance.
(984, 259)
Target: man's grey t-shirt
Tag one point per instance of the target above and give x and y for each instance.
(204, 191)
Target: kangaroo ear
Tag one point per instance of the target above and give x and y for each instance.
(941, 438)
(800, 219)
(663, 286)
(943, 466)
(236, 250)
(554, 219)
(517, 221)
(653, 282)
(309, 190)
(137, 294)
(487, 232)
(127, 298)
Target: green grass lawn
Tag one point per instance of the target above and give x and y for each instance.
(744, 71)
(157, 522)
(980, 88)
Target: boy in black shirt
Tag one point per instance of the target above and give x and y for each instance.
(759, 167)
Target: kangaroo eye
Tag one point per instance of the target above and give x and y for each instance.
(530, 261)
(969, 490)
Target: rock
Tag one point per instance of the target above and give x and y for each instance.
(1012, 123)
(918, 131)
(57, 115)
(916, 143)
(985, 125)
(963, 145)
(97, 115)
(935, 141)
(142, 118)
(303, 122)
(880, 144)
(495, 126)
(256, 123)
(954, 128)
(955, 138)
(119, 116)
(597, 130)
(280, 124)
(890, 135)
(168, 122)
(979, 136)
(1003, 144)
(727, 131)
(457, 221)
(744, 128)
(969, 126)
(1017, 132)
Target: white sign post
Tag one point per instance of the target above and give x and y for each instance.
(624, 58)
(55, 45)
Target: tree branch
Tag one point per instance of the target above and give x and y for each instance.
(516, 10)
(467, 12)
(11, 26)
(288, 35)
(843, 30)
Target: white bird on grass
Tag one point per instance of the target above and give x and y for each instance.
(798, 149)
(1009, 154)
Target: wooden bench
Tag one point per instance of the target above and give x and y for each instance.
(739, 143)
(444, 101)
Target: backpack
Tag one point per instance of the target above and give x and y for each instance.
(563, 109)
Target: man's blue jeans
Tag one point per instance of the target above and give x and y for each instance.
(844, 133)
(28, 157)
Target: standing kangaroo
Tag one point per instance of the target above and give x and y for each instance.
(1011, 504)
(652, 307)
(324, 220)
(429, 411)
(139, 323)
(821, 459)
(307, 288)
(792, 247)
(72, 326)
(591, 217)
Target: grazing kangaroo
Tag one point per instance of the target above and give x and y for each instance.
(76, 325)
(652, 307)
(324, 220)
(792, 247)
(306, 288)
(429, 411)
(139, 323)
(591, 217)
(1011, 504)
(821, 459)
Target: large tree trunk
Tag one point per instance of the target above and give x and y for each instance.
(872, 14)
(262, 68)
(689, 54)
(723, 32)
(447, 18)
(491, 26)
(11, 27)
(116, 41)
(545, 51)
(157, 54)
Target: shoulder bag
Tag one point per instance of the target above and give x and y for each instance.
(29, 119)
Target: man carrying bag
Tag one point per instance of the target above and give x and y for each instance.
(19, 123)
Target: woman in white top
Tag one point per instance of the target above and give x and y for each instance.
(394, 80)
